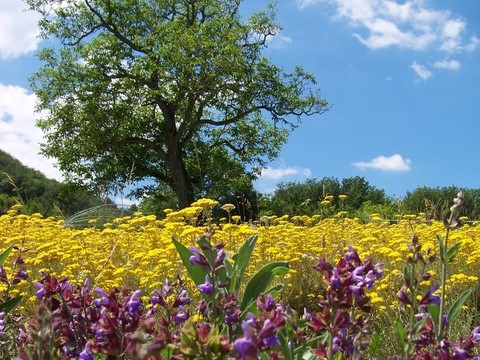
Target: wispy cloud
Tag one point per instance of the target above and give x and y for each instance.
(278, 41)
(447, 64)
(284, 172)
(18, 134)
(421, 70)
(410, 24)
(18, 29)
(302, 4)
(270, 177)
(395, 163)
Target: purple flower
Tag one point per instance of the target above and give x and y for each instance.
(22, 274)
(232, 316)
(476, 335)
(266, 303)
(270, 341)
(357, 291)
(207, 287)
(41, 291)
(403, 297)
(85, 288)
(268, 333)
(245, 348)
(157, 298)
(2, 322)
(181, 316)
(3, 274)
(219, 258)
(335, 279)
(86, 354)
(430, 298)
(352, 256)
(103, 298)
(460, 354)
(182, 299)
(167, 287)
(307, 315)
(198, 258)
(134, 302)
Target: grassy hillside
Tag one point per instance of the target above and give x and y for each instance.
(37, 193)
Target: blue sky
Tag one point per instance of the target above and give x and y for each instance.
(403, 79)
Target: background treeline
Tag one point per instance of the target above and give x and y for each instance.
(362, 200)
(37, 193)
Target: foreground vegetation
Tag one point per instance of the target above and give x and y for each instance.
(137, 253)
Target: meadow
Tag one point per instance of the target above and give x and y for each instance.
(137, 252)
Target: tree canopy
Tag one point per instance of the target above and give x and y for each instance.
(178, 92)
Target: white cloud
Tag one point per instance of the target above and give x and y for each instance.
(18, 29)
(306, 3)
(410, 24)
(447, 64)
(421, 70)
(473, 44)
(393, 163)
(278, 41)
(284, 172)
(18, 134)
(270, 177)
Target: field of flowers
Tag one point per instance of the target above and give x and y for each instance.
(137, 251)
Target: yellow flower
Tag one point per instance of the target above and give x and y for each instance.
(236, 218)
(228, 207)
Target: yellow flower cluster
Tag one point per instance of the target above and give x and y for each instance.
(137, 251)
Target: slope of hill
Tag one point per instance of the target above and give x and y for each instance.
(37, 193)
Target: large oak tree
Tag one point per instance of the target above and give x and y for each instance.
(178, 91)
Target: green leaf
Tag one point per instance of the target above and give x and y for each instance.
(304, 351)
(452, 252)
(228, 267)
(402, 333)
(407, 275)
(434, 312)
(284, 340)
(261, 280)
(242, 258)
(457, 305)
(10, 304)
(196, 272)
(441, 245)
(4, 254)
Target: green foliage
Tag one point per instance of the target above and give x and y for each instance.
(260, 281)
(8, 304)
(37, 193)
(231, 276)
(435, 201)
(177, 93)
(304, 198)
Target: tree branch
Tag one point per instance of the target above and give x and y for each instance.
(148, 144)
(107, 24)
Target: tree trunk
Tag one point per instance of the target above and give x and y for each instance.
(181, 183)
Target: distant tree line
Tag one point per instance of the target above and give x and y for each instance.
(326, 197)
(37, 193)
(360, 199)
